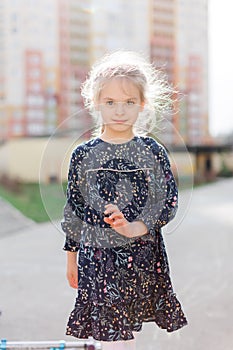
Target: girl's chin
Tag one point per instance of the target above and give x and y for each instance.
(119, 127)
(115, 124)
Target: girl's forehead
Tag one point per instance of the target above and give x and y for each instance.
(120, 85)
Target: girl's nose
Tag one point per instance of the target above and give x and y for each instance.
(120, 108)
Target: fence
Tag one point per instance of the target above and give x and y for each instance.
(51, 345)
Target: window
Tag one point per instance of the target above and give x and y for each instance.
(34, 59)
(51, 116)
(35, 100)
(35, 87)
(35, 114)
(17, 115)
(51, 103)
(34, 73)
(17, 129)
(35, 129)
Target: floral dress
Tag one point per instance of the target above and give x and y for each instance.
(122, 282)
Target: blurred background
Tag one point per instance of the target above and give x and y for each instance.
(46, 50)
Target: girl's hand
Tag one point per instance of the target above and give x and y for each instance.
(72, 269)
(72, 275)
(115, 218)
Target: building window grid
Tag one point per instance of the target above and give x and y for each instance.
(165, 4)
(17, 115)
(34, 73)
(163, 51)
(17, 129)
(77, 25)
(35, 129)
(165, 16)
(163, 30)
(35, 114)
(35, 100)
(80, 56)
(79, 41)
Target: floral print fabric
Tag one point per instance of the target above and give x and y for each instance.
(121, 282)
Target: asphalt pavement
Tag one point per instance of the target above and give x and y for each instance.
(11, 219)
(35, 299)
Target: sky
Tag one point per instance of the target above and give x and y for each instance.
(220, 66)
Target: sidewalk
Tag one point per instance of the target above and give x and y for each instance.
(35, 298)
(11, 219)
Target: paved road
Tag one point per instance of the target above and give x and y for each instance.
(35, 299)
(11, 220)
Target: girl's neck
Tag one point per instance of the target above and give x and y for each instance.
(116, 137)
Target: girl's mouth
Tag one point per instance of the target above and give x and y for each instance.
(119, 121)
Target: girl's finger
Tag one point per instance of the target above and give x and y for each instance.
(74, 283)
(116, 215)
(119, 222)
(108, 221)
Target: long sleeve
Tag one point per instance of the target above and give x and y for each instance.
(74, 207)
(164, 199)
(171, 203)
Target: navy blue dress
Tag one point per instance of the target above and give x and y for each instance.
(122, 282)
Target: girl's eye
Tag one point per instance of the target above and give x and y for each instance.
(109, 103)
(130, 103)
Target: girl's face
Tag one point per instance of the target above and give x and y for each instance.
(119, 103)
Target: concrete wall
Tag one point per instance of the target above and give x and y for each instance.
(36, 159)
(47, 159)
(210, 164)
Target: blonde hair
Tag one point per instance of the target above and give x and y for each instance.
(154, 90)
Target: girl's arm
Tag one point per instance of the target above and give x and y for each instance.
(163, 206)
(74, 209)
(171, 203)
(72, 220)
(159, 214)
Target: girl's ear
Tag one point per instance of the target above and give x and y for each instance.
(142, 106)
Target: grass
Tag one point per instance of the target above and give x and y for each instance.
(40, 203)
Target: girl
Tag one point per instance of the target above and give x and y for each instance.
(121, 191)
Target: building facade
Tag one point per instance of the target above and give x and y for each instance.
(29, 67)
(119, 25)
(74, 62)
(163, 52)
(179, 46)
(192, 70)
(86, 32)
(46, 51)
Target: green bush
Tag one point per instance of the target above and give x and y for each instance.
(225, 171)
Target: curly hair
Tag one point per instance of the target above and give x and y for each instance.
(154, 89)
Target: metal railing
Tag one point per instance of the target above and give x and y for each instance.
(51, 345)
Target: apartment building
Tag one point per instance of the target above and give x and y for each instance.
(46, 51)
(192, 70)
(120, 25)
(74, 20)
(179, 46)
(29, 67)
(86, 32)
(163, 52)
